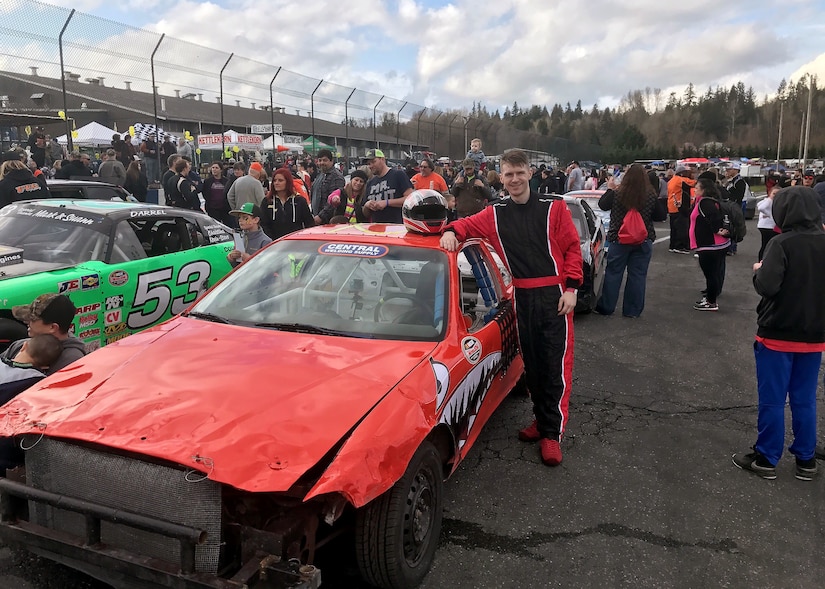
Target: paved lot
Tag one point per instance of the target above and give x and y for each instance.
(647, 495)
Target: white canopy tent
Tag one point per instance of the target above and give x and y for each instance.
(272, 143)
(92, 135)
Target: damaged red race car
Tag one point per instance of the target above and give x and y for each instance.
(328, 386)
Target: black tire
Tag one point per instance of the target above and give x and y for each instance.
(11, 331)
(396, 535)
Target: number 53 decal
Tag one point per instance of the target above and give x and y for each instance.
(153, 298)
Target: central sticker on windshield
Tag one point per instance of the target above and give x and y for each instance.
(360, 250)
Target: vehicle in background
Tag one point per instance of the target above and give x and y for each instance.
(126, 266)
(88, 189)
(593, 239)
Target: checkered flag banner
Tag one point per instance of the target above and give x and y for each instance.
(143, 130)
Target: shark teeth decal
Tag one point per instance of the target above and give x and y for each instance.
(462, 408)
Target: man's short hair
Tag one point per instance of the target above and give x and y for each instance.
(428, 162)
(111, 152)
(515, 157)
(468, 163)
(170, 161)
(325, 153)
(44, 350)
(239, 166)
(179, 164)
(49, 308)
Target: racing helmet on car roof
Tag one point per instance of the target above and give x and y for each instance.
(425, 212)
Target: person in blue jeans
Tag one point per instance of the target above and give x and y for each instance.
(636, 193)
(790, 335)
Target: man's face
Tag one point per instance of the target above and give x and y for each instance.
(807, 180)
(516, 179)
(469, 171)
(376, 165)
(325, 163)
(38, 327)
(87, 161)
(425, 168)
(238, 173)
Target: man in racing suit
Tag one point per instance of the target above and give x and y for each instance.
(536, 237)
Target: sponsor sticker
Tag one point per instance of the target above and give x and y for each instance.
(113, 317)
(114, 338)
(148, 213)
(87, 320)
(68, 286)
(10, 255)
(88, 308)
(118, 278)
(90, 282)
(89, 333)
(115, 328)
(471, 348)
(360, 250)
(114, 302)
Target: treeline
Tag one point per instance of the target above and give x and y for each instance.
(646, 124)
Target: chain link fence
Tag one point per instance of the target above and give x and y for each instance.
(106, 53)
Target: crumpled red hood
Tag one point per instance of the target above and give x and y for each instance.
(254, 408)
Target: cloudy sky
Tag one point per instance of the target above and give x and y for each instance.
(448, 54)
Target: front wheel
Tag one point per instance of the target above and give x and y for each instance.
(396, 534)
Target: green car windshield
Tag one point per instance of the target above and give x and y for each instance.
(337, 288)
(54, 242)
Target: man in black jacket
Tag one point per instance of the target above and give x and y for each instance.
(18, 182)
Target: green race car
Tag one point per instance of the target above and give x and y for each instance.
(126, 266)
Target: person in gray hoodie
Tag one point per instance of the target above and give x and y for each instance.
(49, 314)
(249, 218)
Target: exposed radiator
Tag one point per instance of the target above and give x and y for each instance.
(128, 484)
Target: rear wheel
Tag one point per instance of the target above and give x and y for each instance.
(396, 535)
(10, 331)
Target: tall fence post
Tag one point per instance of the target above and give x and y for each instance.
(450, 136)
(435, 120)
(272, 112)
(418, 132)
(312, 117)
(155, 100)
(346, 128)
(374, 122)
(223, 137)
(398, 127)
(63, 81)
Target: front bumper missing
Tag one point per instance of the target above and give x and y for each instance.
(264, 570)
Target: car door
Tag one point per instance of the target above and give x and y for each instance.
(158, 265)
(487, 339)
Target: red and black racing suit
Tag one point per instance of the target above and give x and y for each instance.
(540, 245)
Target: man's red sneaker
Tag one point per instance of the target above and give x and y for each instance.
(530, 433)
(550, 452)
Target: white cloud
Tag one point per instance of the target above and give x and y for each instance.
(451, 54)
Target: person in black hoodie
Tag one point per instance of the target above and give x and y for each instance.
(18, 183)
(283, 211)
(790, 335)
(78, 166)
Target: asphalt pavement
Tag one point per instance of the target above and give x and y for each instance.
(647, 496)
